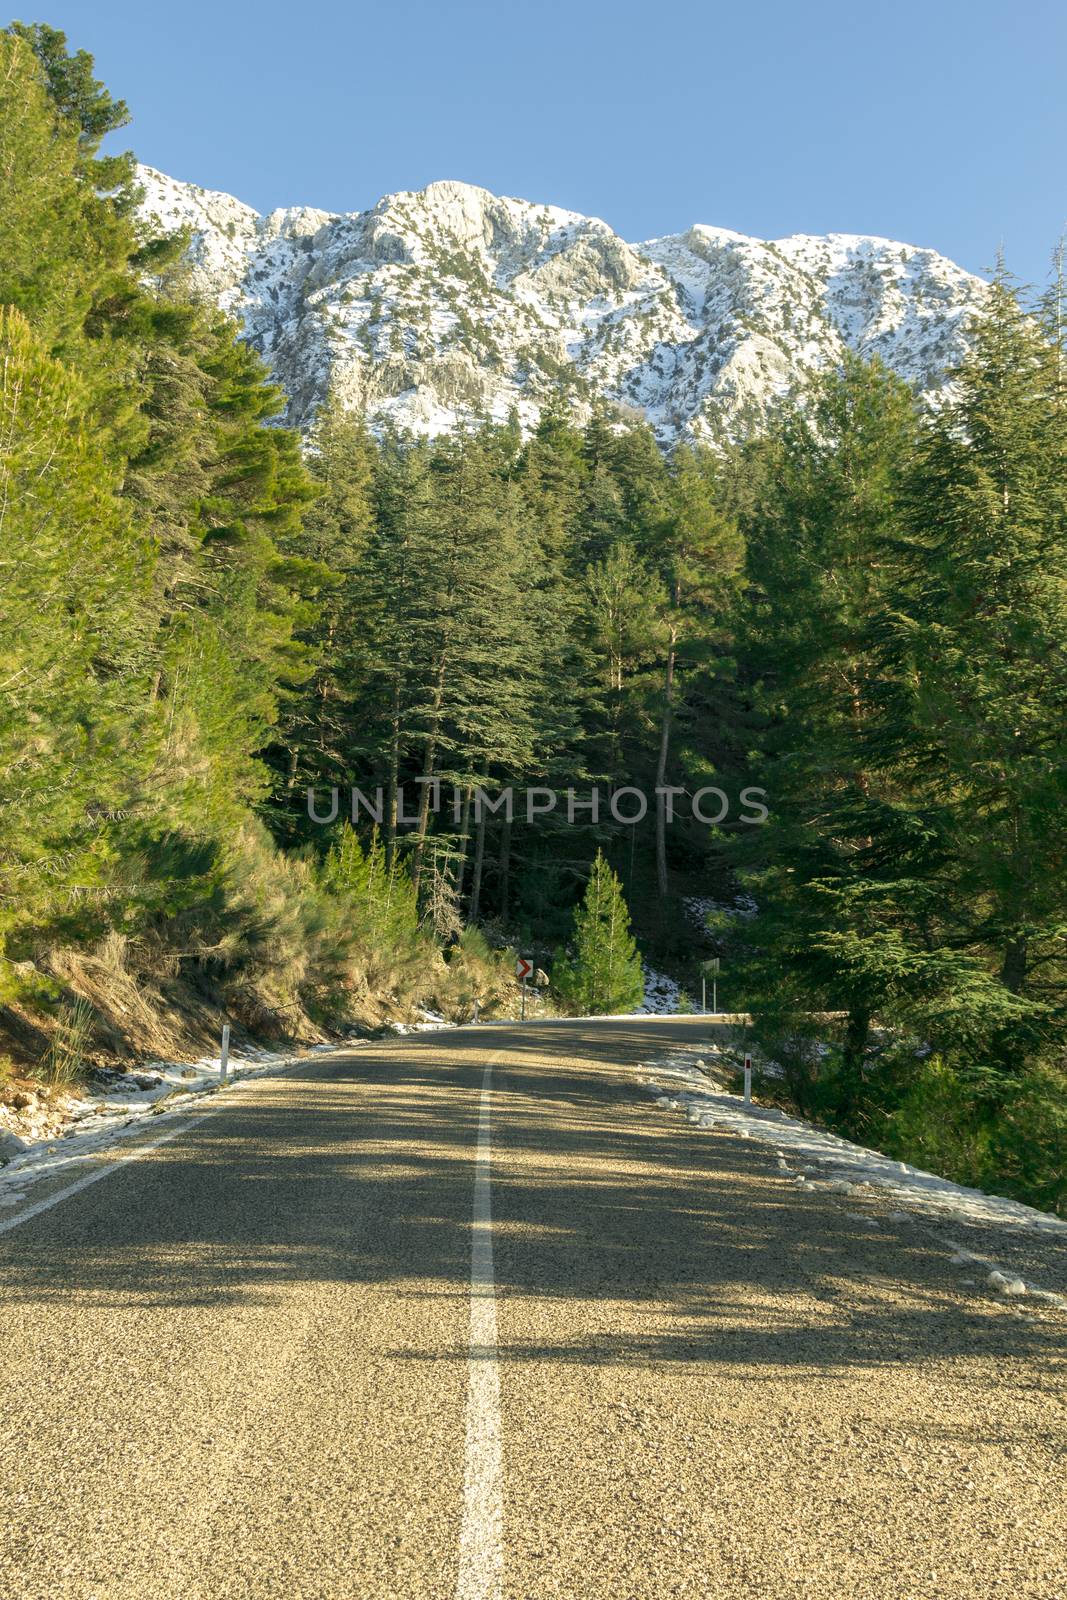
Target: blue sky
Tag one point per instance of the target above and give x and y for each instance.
(941, 123)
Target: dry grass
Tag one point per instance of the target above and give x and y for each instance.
(64, 1064)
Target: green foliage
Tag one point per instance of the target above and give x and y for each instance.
(968, 1123)
(908, 645)
(79, 97)
(479, 980)
(601, 973)
(64, 245)
(150, 620)
(74, 652)
(379, 897)
(974, 655)
(375, 913)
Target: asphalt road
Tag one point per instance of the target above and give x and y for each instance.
(396, 1325)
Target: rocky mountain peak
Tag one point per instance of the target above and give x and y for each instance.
(439, 306)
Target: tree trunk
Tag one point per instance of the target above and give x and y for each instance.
(661, 767)
(1014, 966)
(505, 868)
(394, 776)
(857, 1032)
(464, 842)
(476, 881)
(324, 689)
(428, 773)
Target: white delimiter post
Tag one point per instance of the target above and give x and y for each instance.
(224, 1057)
(748, 1080)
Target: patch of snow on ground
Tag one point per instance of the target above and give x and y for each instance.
(698, 907)
(661, 995)
(819, 1160)
(427, 1023)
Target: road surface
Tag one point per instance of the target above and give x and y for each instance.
(467, 1316)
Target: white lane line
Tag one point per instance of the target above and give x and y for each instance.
(114, 1158)
(105, 1170)
(481, 1554)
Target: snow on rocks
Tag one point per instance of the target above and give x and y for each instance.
(428, 1022)
(434, 307)
(1009, 1286)
(699, 907)
(661, 994)
(31, 1117)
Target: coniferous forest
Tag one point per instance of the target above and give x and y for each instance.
(861, 614)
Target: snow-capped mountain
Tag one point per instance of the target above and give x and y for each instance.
(437, 307)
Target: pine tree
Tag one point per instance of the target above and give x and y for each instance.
(552, 476)
(378, 898)
(695, 548)
(168, 592)
(396, 552)
(74, 651)
(66, 243)
(974, 658)
(231, 604)
(602, 972)
(552, 480)
(323, 722)
(456, 628)
(820, 544)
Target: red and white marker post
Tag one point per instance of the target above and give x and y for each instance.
(748, 1080)
(523, 970)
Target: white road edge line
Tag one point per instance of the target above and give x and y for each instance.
(114, 1158)
(481, 1553)
(104, 1170)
